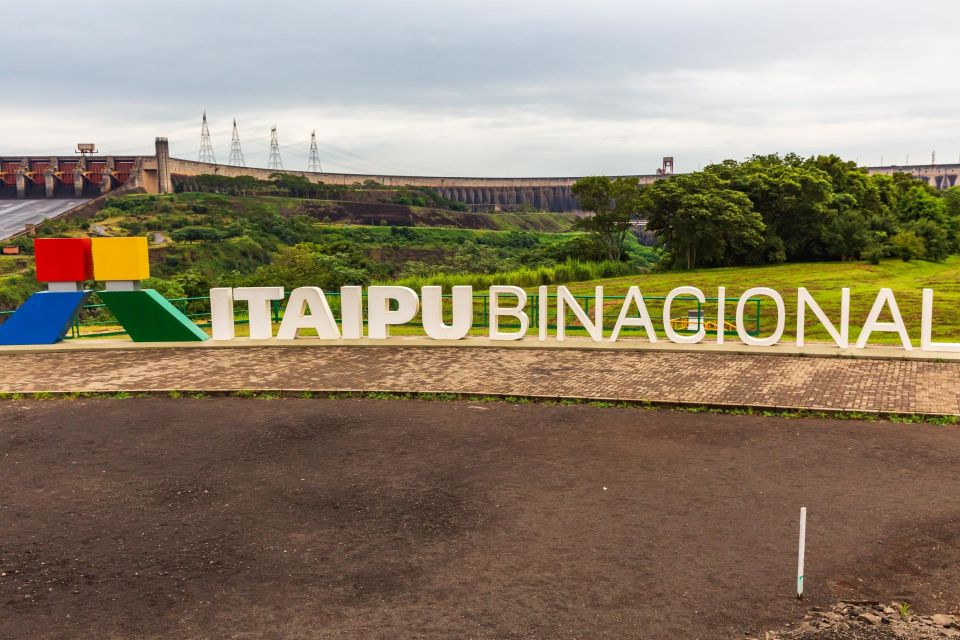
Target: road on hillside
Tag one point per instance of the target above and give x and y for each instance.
(15, 214)
(383, 519)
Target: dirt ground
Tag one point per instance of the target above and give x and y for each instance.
(243, 518)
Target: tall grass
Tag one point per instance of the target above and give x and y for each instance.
(569, 271)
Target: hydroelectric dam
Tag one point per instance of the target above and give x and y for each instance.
(82, 180)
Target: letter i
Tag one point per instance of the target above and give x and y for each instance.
(543, 319)
(721, 320)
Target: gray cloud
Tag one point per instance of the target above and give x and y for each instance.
(487, 88)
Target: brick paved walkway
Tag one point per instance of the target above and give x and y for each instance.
(672, 377)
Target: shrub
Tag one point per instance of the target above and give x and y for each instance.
(569, 271)
(303, 265)
(908, 245)
(196, 233)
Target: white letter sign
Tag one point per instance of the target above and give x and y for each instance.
(774, 337)
(926, 327)
(643, 320)
(379, 314)
(672, 335)
(804, 300)
(432, 304)
(258, 308)
(885, 297)
(308, 309)
(496, 312)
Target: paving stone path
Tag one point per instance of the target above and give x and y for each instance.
(669, 377)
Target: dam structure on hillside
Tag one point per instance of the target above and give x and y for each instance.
(83, 176)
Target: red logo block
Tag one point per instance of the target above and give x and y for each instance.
(63, 259)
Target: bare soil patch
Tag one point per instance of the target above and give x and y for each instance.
(376, 213)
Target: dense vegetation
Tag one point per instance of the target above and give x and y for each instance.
(768, 209)
(772, 209)
(283, 184)
(201, 240)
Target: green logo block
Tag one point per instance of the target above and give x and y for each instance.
(148, 317)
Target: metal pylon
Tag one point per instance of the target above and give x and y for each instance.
(206, 148)
(313, 162)
(236, 153)
(274, 162)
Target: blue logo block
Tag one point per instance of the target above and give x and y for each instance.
(44, 318)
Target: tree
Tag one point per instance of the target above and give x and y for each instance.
(304, 265)
(920, 202)
(951, 205)
(296, 186)
(193, 283)
(701, 221)
(951, 200)
(934, 236)
(196, 233)
(849, 235)
(792, 198)
(924, 212)
(860, 206)
(908, 245)
(245, 184)
(614, 203)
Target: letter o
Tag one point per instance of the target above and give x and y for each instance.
(781, 317)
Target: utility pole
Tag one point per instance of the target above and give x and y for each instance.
(933, 157)
(274, 162)
(206, 148)
(313, 162)
(236, 153)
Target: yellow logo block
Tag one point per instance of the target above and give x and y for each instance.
(120, 259)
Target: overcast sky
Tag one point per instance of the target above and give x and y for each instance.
(492, 88)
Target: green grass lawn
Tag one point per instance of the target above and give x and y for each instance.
(824, 281)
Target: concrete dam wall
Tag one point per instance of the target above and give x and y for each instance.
(544, 194)
(86, 176)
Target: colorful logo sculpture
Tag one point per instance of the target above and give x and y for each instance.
(66, 264)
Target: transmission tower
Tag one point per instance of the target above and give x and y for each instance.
(206, 148)
(274, 162)
(313, 163)
(236, 153)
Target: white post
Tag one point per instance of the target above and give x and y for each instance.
(803, 544)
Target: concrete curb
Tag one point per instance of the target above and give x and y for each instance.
(254, 394)
(574, 343)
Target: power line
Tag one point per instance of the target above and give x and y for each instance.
(274, 162)
(236, 153)
(206, 148)
(313, 162)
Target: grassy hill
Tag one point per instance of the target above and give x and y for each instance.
(199, 240)
(376, 213)
(824, 281)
